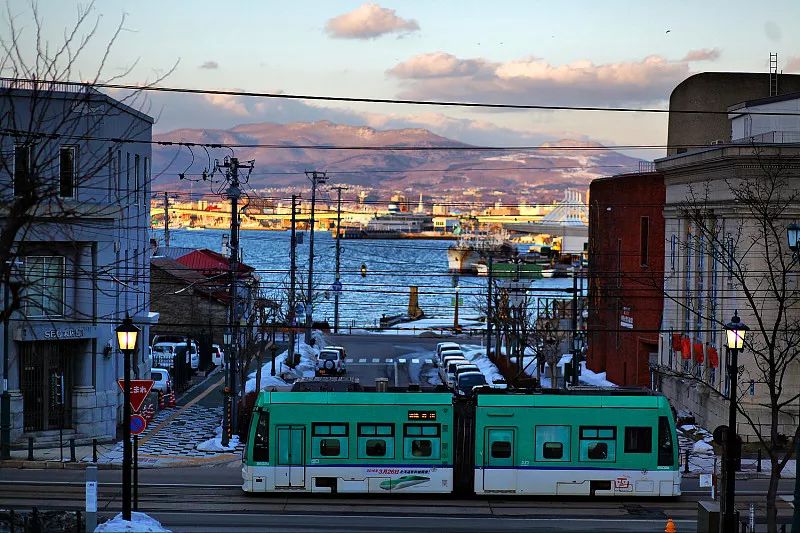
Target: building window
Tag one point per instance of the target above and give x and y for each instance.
(22, 169)
(644, 241)
(118, 174)
(672, 249)
(127, 177)
(136, 179)
(44, 286)
(67, 169)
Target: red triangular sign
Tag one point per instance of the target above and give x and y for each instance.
(140, 388)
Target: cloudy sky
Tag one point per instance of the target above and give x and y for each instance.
(588, 53)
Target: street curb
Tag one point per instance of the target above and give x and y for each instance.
(52, 465)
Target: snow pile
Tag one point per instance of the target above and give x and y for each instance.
(214, 444)
(138, 522)
(702, 447)
(284, 373)
(588, 377)
(477, 356)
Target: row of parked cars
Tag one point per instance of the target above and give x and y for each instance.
(455, 371)
(163, 352)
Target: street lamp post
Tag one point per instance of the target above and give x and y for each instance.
(735, 332)
(127, 334)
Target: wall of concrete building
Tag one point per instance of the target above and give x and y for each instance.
(715, 91)
(624, 293)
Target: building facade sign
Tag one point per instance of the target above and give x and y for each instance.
(50, 332)
(626, 318)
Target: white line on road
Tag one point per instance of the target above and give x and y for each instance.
(376, 360)
(415, 361)
(401, 361)
(362, 360)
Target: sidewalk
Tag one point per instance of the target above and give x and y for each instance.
(169, 440)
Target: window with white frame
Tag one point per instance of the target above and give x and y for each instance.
(44, 286)
(67, 170)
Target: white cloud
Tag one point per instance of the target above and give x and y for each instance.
(440, 75)
(369, 21)
(702, 54)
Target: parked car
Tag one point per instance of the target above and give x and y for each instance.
(449, 351)
(340, 349)
(456, 369)
(466, 383)
(444, 346)
(162, 381)
(446, 360)
(330, 362)
(217, 355)
(163, 352)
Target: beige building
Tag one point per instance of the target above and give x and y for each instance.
(726, 213)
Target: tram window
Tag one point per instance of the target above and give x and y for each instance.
(598, 443)
(261, 439)
(369, 430)
(552, 443)
(501, 449)
(553, 450)
(666, 455)
(428, 430)
(421, 448)
(597, 451)
(376, 447)
(319, 429)
(638, 439)
(329, 447)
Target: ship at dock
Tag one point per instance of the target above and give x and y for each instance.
(472, 250)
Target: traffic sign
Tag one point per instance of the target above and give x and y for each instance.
(337, 286)
(140, 388)
(138, 424)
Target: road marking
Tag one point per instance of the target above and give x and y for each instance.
(428, 362)
(415, 361)
(401, 361)
(362, 360)
(389, 360)
(376, 360)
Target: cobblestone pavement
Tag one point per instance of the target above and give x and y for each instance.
(177, 439)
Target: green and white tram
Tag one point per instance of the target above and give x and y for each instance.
(594, 443)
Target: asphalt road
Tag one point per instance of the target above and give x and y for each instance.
(209, 499)
(403, 360)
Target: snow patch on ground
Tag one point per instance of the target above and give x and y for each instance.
(138, 522)
(284, 374)
(215, 444)
(595, 379)
(477, 355)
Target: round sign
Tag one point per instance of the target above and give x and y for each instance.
(337, 285)
(138, 424)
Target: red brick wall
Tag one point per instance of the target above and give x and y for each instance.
(618, 279)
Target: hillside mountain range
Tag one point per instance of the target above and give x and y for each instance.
(419, 161)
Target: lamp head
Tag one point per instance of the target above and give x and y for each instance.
(127, 334)
(735, 331)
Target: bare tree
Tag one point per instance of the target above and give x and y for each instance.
(738, 225)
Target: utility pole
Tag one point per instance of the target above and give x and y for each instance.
(231, 167)
(337, 283)
(489, 311)
(316, 178)
(575, 363)
(292, 277)
(166, 219)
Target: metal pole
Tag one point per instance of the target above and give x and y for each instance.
(126, 438)
(233, 193)
(166, 220)
(91, 498)
(315, 177)
(728, 520)
(338, 258)
(292, 271)
(489, 311)
(574, 374)
(5, 399)
(136, 472)
(455, 315)
(796, 513)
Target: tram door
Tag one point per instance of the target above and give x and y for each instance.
(499, 470)
(290, 469)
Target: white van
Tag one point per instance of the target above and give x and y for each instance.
(444, 346)
(446, 360)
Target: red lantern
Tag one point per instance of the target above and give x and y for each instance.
(713, 357)
(686, 348)
(676, 342)
(698, 352)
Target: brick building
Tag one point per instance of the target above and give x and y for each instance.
(626, 273)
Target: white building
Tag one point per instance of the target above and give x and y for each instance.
(82, 260)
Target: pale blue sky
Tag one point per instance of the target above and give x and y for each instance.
(509, 51)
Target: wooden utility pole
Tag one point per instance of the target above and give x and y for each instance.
(337, 284)
(316, 178)
(489, 311)
(166, 219)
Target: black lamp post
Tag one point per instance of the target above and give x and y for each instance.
(793, 236)
(226, 391)
(735, 331)
(127, 334)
